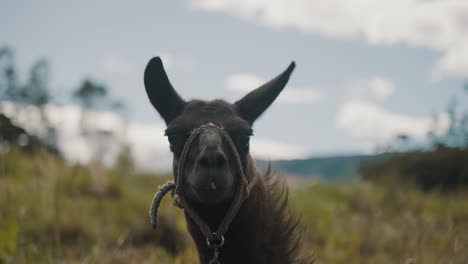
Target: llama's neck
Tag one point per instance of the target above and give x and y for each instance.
(262, 232)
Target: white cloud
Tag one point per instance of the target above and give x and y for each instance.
(117, 65)
(273, 150)
(370, 121)
(437, 25)
(381, 88)
(377, 87)
(172, 60)
(453, 63)
(149, 146)
(244, 83)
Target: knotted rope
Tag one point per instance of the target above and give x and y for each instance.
(214, 239)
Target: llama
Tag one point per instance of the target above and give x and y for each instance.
(217, 178)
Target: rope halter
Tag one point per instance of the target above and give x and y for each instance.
(215, 239)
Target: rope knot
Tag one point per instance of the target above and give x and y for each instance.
(177, 201)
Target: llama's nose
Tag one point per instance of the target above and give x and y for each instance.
(212, 158)
(211, 155)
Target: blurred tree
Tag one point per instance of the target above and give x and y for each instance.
(8, 78)
(456, 134)
(90, 95)
(93, 96)
(403, 141)
(34, 92)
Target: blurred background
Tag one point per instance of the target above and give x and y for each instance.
(371, 132)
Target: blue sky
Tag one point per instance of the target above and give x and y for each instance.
(366, 70)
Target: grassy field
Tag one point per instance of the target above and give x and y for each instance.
(53, 212)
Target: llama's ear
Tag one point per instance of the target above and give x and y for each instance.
(160, 91)
(251, 106)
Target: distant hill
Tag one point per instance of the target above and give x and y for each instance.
(336, 168)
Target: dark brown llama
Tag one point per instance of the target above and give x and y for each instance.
(263, 230)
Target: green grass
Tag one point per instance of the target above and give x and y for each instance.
(362, 223)
(54, 212)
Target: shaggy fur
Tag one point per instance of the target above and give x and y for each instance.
(264, 230)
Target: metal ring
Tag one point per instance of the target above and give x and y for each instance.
(214, 245)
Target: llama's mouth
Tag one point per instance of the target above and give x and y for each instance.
(210, 185)
(209, 193)
(213, 180)
(211, 188)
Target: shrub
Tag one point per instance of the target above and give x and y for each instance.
(444, 168)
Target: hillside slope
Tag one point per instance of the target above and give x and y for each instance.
(325, 168)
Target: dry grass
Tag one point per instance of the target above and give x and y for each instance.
(53, 212)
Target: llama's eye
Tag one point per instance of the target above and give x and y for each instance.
(173, 140)
(244, 142)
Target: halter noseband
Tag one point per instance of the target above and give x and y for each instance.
(215, 240)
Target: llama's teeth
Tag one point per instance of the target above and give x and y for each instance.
(213, 186)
